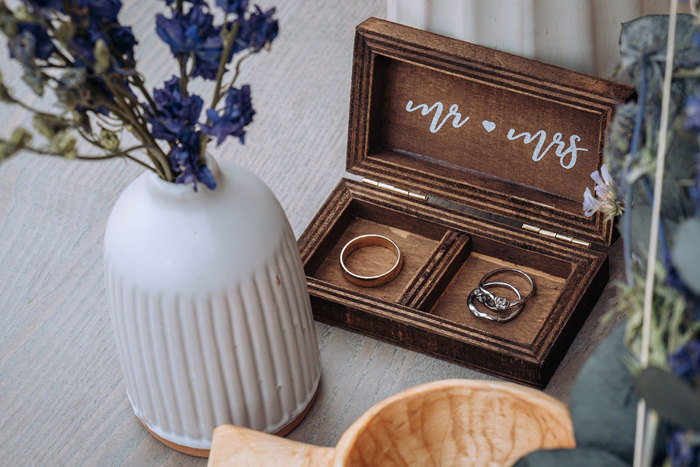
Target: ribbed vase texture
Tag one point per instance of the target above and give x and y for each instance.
(232, 341)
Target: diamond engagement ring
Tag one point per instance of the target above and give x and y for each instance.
(480, 295)
(496, 303)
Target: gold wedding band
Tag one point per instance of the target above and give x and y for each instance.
(371, 240)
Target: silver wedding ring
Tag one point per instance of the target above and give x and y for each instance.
(497, 303)
(377, 279)
(486, 315)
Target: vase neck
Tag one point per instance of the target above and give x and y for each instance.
(184, 192)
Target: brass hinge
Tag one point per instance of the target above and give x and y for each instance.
(386, 186)
(558, 236)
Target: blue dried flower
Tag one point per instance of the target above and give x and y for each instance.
(194, 2)
(681, 450)
(186, 163)
(95, 86)
(174, 113)
(122, 39)
(256, 31)
(31, 41)
(47, 4)
(193, 32)
(233, 6)
(692, 112)
(685, 362)
(103, 10)
(237, 114)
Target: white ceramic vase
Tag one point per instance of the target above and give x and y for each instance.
(209, 308)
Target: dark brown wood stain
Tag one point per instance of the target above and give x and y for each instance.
(447, 251)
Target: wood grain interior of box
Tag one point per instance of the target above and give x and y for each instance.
(371, 260)
(447, 299)
(446, 254)
(526, 326)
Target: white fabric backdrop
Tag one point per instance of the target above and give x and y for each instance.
(578, 34)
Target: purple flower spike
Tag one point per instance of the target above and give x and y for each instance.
(185, 161)
(104, 10)
(194, 2)
(681, 450)
(174, 113)
(256, 31)
(233, 6)
(692, 112)
(237, 114)
(193, 32)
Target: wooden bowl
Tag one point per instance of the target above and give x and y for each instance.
(451, 422)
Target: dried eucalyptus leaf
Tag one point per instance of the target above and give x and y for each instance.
(641, 226)
(686, 253)
(603, 403)
(645, 39)
(675, 203)
(681, 156)
(670, 396)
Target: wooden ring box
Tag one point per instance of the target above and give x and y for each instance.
(464, 196)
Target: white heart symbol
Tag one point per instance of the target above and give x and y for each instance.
(488, 126)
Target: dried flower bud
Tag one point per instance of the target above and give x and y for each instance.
(8, 23)
(65, 31)
(24, 15)
(72, 83)
(109, 140)
(49, 125)
(82, 121)
(19, 139)
(36, 80)
(102, 57)
(64, 142)
(4, 92)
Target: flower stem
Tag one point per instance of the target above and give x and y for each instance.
(138, 82)
(126, 112)
(97, 157)
(665, 254)
(182, 61)
(228, 46)
(28, 107)
(237, 71)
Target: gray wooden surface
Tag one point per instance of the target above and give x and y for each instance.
(62, 397)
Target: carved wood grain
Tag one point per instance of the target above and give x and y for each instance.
(449, 422)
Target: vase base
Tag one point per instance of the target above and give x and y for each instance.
(178, 447)
(205, 452)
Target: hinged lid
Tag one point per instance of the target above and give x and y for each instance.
(483, 128)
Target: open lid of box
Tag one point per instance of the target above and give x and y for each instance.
(485, 129)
